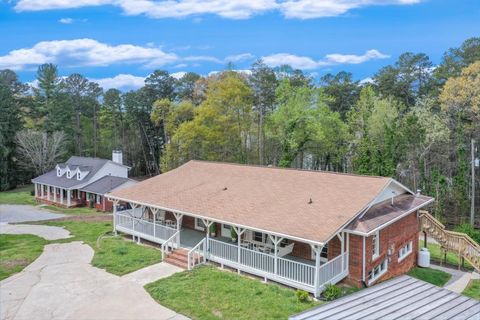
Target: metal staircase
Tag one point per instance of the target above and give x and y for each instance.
(457, 242)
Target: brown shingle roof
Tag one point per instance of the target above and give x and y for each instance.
(272, 199)
(384, 212)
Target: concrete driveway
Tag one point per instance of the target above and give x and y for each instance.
(62, 284)
(21, 213)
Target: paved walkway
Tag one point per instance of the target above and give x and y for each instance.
(22, 213)
(152, 273)
(459, 280)
(46, 232)
(62, 284)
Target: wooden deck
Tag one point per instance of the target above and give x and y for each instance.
(400, 298)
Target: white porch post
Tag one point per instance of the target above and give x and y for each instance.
(179, 218)
(115, 203)
(341, 237)
(69, 200)
(42, 190)
(207, 227)
(61, 195)
(154, 211)
(239, 232)
(54, 194)
(36, 190)
(134, 206)
(276, 241)
(318, 251)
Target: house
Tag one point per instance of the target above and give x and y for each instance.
(83, 181)
(301, 228)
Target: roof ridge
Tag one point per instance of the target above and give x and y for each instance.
(283, 168)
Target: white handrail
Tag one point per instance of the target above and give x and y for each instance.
(198, 249)
(173, 242)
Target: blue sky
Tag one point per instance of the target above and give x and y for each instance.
(119, 42)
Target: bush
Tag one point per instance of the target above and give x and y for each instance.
(32, 193)
(470, 230)
(331, 292)
(302, 296)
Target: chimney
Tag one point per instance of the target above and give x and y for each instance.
(117, 156)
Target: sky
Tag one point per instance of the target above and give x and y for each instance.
(119, 42)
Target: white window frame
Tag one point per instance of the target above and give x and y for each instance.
(375, 245)
(378, 271)
(199, 227)
(98, 199)
(405, 250)
(323, 254)
(68, 174)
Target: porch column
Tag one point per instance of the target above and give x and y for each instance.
(154, 211)
(239, 232)
(134, 206)
(54, 194)
(69, 195)
(36, 190)
(276, 241)
(207, 227)
(318, 251)
(42, 190)
(179, 218)
(115, 203)
(341, 237)
(61, 195)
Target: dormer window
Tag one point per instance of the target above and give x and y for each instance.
(59, 172)
(68, 174)
(79, 176)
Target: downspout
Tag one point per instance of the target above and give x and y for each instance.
(363, 261)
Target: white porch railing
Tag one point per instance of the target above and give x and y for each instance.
(126, 222)
(197, 255)
(170, 244)
(290, 272)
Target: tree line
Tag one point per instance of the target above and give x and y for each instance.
(413, 121)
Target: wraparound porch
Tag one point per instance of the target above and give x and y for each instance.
(310, 275)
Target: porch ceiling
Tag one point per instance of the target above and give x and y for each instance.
(302, 204)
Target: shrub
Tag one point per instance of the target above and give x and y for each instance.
(32, 193)
(470, 230)
(302, 296)
(331, 292)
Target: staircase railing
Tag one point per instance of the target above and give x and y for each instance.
(196, 255)
(171, 243)
(457, 242)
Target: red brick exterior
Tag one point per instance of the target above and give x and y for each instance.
(105, 204)
(392, 238)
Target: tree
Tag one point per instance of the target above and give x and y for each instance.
(160, 85)
(455, 59)
(39, 151)
(185, 86)
(10, 123)
(342, 91)
(263, 82)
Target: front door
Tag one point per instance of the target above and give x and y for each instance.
(199, 225)
(226, 230)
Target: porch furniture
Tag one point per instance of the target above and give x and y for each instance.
(170, 223)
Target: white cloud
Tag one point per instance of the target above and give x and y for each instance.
(84, 52)
(178, 75)
(239, 57)
(66, 20)
(307, 63)
(231, 9)
(367, 81)
(121, 82)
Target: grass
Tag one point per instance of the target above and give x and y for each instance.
(17, 251)
(18, 196)
(433, 276)
(473, 289)
(73, 211)
(437, 255)
(114, 254)
(209, 293)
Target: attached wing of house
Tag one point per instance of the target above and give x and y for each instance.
(302, 222)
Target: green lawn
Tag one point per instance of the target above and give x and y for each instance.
(473, 289)
(114, 254)
(209, 293)
(73, 211)
(18, 251)
(437, 255)
(433, 276)
(18, 196)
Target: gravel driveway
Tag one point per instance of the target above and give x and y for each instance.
(62, 284)
(21, 213)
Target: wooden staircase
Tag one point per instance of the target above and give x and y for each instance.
(457, 242)
(179, 258)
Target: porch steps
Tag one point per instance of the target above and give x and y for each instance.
(179, 258)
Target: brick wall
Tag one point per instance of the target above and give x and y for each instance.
(393, 238)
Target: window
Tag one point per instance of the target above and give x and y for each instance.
(375, 245)
(59, 173)
(99, 199)
(405, 251)
(258, 236)
(324, 253)
(68, 174)
(78, 176)
(199, 225)
(378, 271)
